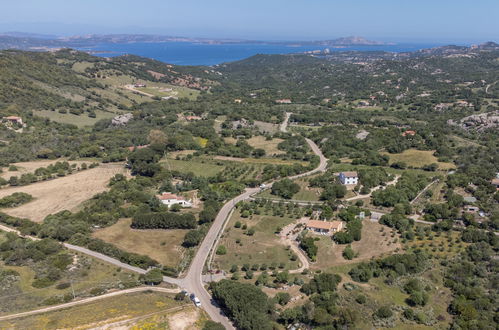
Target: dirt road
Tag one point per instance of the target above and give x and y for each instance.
(85, 301)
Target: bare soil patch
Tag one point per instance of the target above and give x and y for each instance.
(65, 193)
(270, 146)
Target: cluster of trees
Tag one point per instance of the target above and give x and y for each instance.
(163, 220)
(391, 267)
(285, 188)
(406, 189)
(471, 277)
(49, 256)
(332, 188)
(16, 199)
(246, 304)
(308, 245)
(370, 178)
(353, 230)
(58, 169)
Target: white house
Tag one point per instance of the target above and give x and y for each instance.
(349, 178)
(170, 199)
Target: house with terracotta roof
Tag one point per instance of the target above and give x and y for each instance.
(170, 199)
(409, 132)
(191, 118)
(324, 227)
(283, 101)
(349, 177)
(133, 148)
(13, 120)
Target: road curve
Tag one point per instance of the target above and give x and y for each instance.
(193, 280)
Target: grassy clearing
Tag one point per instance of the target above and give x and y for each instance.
(374, 243)
(80, 67)
(130, 309)
(67, 118)
(264, 247)
(197, 166)
(270, 146)
(165, 90)
(418, 159)
(266, 161)
(164, 246)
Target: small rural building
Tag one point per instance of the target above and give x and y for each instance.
(133, 148)
(170, 199)
(349, 177)
(191, 118)
(283, 101)
(470, 209)
(324, 227)
(13, 120)
(138, 85)
(469, 199)
(239, 101)
(409, 132)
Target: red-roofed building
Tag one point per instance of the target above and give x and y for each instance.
(409, 132)
(13, 119)
(324, 227)
(133, 148)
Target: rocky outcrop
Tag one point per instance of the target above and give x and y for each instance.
(478, 122)
(121, 120)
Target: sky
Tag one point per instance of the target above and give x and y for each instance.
(460, 21)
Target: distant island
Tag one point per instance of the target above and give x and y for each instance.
(29, 41)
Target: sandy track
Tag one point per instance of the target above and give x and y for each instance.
(65, 193)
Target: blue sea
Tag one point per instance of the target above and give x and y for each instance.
(187, 53)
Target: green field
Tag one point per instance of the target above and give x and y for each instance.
(68, 118)
(162, 90)
(198, 167)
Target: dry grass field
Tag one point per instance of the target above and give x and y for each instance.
(65, 193)
(30, 167)
(264, 247)
(163, 246)
(269, 146)
(418, 158)
(374, 243)
(145, 310)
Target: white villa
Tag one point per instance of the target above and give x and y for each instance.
(349, 178)
(170, 199)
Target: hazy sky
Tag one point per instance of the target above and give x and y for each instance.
(396, 20)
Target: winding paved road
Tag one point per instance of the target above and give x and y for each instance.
(192, 282)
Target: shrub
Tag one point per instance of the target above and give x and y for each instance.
(221, 250)
(384, 312)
